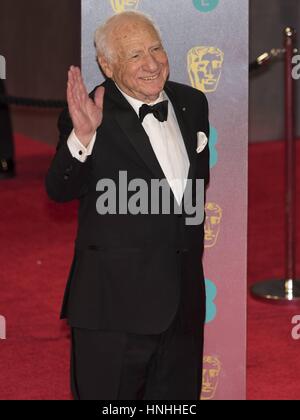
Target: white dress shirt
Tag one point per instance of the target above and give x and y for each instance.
(166, 141)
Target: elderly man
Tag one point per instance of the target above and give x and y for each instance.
(135, 297)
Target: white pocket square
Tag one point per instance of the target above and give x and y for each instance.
(202, 141)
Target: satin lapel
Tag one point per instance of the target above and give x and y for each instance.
(128, 120)
(181, 111)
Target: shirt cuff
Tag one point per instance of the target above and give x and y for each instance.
(78, 150)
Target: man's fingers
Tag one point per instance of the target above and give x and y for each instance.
(71, 75)
(70, 98)
(82, 89)
(72, 91)
(77, 86)
(76, 90)
(99, 97)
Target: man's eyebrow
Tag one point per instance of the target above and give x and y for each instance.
(136, 51)
(157, 44)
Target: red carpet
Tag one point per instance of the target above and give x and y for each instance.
(35, 253)
(273, 356)
(36, 249)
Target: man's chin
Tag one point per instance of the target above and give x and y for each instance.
(154, 91)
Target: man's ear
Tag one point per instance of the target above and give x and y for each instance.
(105, 66)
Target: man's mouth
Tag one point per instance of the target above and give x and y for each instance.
(150, 78)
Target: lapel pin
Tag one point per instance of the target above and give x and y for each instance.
(184, 109)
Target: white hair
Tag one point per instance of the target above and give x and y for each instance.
(103, 32)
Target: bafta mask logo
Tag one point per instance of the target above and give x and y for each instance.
(205, 68)
(120, 6)
(212, 225)
(211, 374)
(206, 6)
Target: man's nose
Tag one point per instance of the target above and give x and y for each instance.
(151, 64)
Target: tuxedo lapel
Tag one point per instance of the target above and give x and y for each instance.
(129, 122)
(181, 110)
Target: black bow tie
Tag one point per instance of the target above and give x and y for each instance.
(160, 111)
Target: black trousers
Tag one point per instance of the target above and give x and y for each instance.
(121, 366)
(6, 136)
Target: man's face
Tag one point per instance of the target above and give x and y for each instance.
(140, 65)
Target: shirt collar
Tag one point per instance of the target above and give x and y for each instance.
(136, 103)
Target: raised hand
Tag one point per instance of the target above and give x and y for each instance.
(86, 114)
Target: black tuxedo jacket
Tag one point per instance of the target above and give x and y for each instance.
(131, 272)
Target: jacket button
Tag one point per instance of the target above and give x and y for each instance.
(66, 177)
